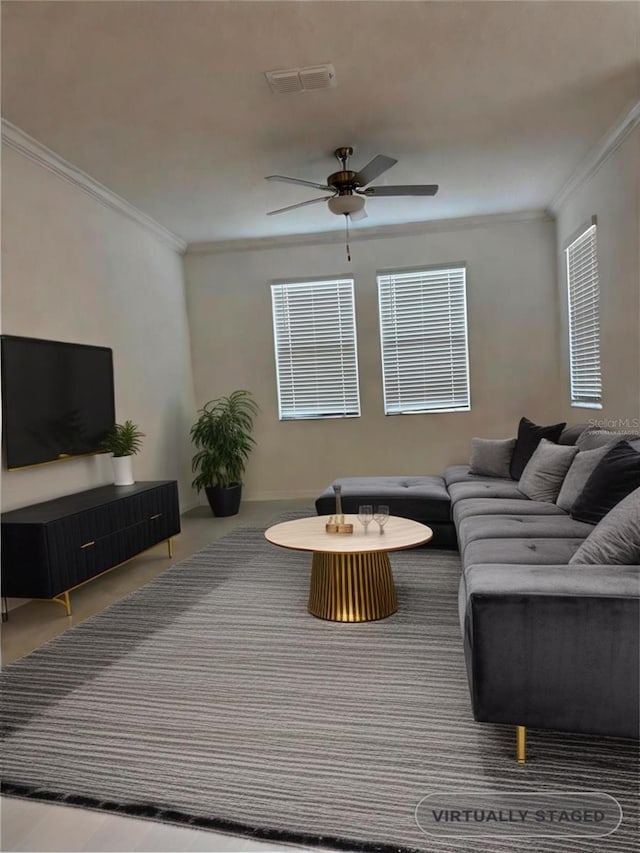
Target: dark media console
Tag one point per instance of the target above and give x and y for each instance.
(50, 548)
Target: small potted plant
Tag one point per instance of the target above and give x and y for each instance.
(123, 441)
(222, 437)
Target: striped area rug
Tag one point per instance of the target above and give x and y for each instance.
(211, 698)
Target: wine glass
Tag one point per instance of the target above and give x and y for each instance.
(381, 515)
(365, 515)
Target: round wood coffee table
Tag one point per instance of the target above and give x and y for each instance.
(351, 578)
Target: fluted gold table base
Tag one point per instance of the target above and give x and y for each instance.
(352, 587)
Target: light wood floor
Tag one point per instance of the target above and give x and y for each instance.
(42, 827)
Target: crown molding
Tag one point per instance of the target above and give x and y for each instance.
(609, 143)
(29, 147)
(405, 229)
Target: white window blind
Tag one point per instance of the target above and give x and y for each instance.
(314, 332)
(584, 321)
(423, 332)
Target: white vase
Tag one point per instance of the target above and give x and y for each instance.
(123, 471)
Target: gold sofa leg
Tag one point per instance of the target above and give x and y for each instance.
(521, 744)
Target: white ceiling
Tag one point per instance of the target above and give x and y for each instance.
(166, 103)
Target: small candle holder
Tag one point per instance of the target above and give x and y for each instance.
(336, 523)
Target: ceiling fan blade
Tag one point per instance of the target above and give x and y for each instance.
(374, 168)
(359, 214)
(286, 180)
(417, 189)
(294, 206)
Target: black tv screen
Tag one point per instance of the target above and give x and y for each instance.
(57, 399)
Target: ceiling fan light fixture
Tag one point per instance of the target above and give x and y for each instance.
(351, 188)
(346, 204)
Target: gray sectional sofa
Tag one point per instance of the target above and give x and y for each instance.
(548, 643)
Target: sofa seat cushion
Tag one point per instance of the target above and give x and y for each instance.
(520, 527)
(528, 551)
(422, 499)
(503, 506)
(485, 487)
(462, 474)
(458, 474)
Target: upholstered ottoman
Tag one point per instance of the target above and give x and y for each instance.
(424, 499)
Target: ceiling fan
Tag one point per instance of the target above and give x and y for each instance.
(349, 189)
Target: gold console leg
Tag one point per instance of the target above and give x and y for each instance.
(170, 547)
(521, 744)
(65, 600)
(352, 587)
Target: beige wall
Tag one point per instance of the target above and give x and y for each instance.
(513, 333)
(612, 194)
(76, 270)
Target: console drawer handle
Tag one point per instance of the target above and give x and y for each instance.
(88, 544)
(157, 515)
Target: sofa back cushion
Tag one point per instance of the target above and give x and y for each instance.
(491, 457)
(593, 437)
(582, 467)
(544, 473)
(614, 477)
(615, 540)
(529, 437)
(570, 434)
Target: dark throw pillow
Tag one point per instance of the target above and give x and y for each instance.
(529, 437)
(614, 477)
(614, 541)
(581, 469)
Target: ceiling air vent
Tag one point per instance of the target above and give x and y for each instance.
(283, 82)
(318, 77)
(301, 79)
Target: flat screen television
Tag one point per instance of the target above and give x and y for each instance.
(57, 399)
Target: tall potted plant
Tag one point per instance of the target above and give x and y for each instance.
(123, 441)
(222, 437)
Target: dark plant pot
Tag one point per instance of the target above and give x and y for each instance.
(224, 500)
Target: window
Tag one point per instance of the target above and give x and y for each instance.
(314, 330)
(423, 333)
(584, 321)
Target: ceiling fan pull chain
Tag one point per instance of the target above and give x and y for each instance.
(346, 222)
